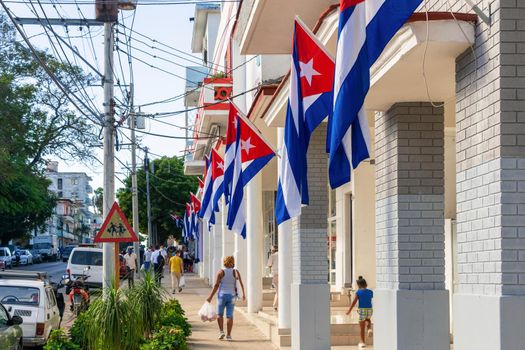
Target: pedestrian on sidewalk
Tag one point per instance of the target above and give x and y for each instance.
(176, 271)
(147, 258)
(364, 310)
(131, 266)
(226, 283)
(158, 263)
(273, 264)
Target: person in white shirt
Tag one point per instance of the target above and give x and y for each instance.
(158, 264)
(131, 266)
(273, 264)
(147, 258)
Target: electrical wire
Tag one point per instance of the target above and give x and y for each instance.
(53, 77)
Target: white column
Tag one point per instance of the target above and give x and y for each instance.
(285, 263)
(217, 240)
(254, 242)
(310, 296)
(228, 237)
(240, 255)
(211, 243)
(203, 271)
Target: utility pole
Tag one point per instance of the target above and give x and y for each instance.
(109, 151)
(134, 187)
(146, 168)
(107, 12)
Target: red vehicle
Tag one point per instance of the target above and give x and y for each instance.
(122, 267)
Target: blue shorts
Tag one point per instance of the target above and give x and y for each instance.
(225, 301)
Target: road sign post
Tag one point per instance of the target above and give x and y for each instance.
(116, 229)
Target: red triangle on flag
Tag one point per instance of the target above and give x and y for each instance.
(115, 228)
(253, 145)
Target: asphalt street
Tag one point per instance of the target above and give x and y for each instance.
(55, 270)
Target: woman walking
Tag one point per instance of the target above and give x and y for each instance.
(226, 283)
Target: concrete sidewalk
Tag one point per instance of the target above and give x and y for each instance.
(205, 335)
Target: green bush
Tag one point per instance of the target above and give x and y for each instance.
(166, 338)
(174, 317)
(146, 299)
(78, 331)
(173, 304)
(58, 340)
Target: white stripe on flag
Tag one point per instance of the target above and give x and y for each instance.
(291, 195)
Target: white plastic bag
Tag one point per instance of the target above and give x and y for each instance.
(182, 282)
(207, 313)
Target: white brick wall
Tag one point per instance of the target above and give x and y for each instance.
(491, 156)
(310, 262)
(409, 194)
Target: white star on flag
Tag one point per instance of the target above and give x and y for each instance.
(308, 71)
(220, 165)
(246, 145)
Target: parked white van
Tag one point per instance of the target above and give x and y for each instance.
(86, 257)
(29, 295)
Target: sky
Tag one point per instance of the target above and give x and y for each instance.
(168, 24)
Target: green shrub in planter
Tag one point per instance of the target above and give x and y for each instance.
(77, 332)
(58, 340)
(173, 319)
(166, 338)
(173, 304)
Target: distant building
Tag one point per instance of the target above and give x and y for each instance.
(72, 220)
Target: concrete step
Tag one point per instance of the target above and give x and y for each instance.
(342, 334)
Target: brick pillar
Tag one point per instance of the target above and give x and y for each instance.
(310, 290)
(410, 303)
(490, 301)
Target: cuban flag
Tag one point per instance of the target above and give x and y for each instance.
(229, 153)
(365, 28)
(187, 223)
(195, 208)
(201, 183)
(217, 175)
(310, 102)
(206, 207)
(178, 220)
(252, 153)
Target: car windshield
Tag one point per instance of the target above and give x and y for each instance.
(42, 245)
(2, 252)
(14, 295)
(83, 257)
(68, 249)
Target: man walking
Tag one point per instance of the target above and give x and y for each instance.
(147, 258)
(131, 266)
(176, 272)
(273, 264)
(158, 263)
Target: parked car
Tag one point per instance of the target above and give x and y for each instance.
(10, 330)
(67, 252)
(83, 257)
(24, 257)
(37, 258)
(5, 256)
(29, 295)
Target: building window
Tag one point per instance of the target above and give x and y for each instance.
(60, 194)
(59, 185)
(332, 235)
(74, 181)
(270, 225)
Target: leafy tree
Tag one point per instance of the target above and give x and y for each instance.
(37, 121)
(98, 200)
(170, 190)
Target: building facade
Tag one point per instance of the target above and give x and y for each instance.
(434, 220)
(72, 220)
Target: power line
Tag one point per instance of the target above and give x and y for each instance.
(53, 77)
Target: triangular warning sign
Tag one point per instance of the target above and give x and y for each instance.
(115, 228)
